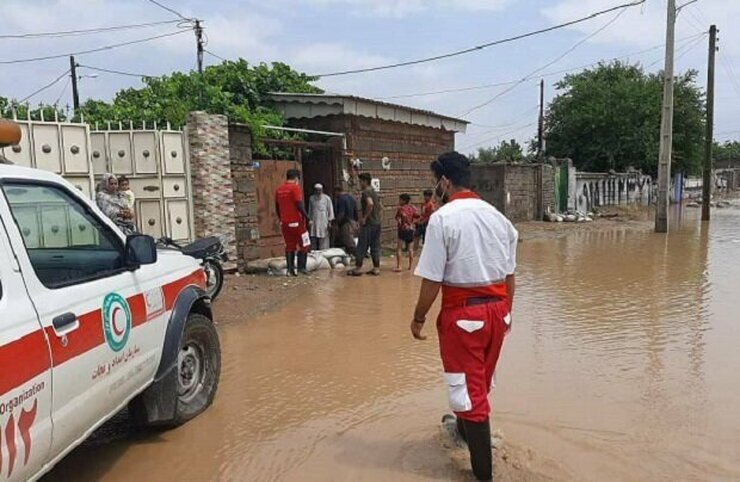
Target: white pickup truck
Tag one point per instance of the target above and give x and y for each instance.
(90, 321)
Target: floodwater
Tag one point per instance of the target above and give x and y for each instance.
(622, 365)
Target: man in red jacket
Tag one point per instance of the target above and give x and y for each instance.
(294, 219)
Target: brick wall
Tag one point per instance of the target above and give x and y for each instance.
(522, 192)
(213, 201)
(409, 148)
(245, 194)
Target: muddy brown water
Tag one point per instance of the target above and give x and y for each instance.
(622, 365)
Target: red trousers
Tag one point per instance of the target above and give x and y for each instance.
(293, 234)
(470, 340)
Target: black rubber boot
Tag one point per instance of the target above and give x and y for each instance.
(478, 437)
(302, 261)
(290, 258)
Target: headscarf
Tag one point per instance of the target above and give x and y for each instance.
(110, 203)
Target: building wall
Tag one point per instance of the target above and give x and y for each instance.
(410, 150)
(213, 197)
(522, 192)
(593, 190)
(245, 194)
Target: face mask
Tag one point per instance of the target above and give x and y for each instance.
(441, 192)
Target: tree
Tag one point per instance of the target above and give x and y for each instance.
(233, 88)
(609, 118)
(506, 151)
(21, 111)
(726, 153)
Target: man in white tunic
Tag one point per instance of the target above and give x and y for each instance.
(321, 210)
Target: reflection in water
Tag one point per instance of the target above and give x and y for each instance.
(621, 365)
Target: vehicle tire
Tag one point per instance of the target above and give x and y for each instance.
(198, 368)
(197, 374)
(214, 278)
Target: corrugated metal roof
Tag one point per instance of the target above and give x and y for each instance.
(296, 106)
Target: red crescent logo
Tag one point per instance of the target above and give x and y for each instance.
(116, 331)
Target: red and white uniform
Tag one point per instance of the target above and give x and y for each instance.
(470, 248)
(292, 223)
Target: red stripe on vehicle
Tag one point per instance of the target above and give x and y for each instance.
(29, 356)
(172, 290)
(23, 359)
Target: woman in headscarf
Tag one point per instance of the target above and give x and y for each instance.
(113, 204)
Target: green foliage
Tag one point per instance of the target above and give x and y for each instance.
(727, 151)
(21, 110)
(504, 152)
(235, 89)
(609, 118)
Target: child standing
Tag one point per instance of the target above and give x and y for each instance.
(427, 209)
(126, 193)
(406, 216)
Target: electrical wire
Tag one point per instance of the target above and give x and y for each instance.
(111, 71)
(90, 31)
(64, 89)
(483, 46)
(545, 74)
(215, 55)
(89, 51)
(164, 7)
(540, 69)
(498, 137)
(47, 86)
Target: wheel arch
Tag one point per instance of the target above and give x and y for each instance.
(158, 403)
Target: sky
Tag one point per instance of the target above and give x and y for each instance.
(324, 36)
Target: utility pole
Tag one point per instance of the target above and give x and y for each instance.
(709, 141)
(199, 44)
(541, 123)
(666, 127)
(75, 91)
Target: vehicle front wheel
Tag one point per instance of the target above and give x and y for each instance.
(198, 368)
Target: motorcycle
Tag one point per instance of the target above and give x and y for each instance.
(211, 253)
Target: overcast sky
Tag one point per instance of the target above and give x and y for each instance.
(321, 36)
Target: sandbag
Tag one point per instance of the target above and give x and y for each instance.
(332, 253)
(277, 263)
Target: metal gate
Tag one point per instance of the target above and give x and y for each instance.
(157, 165)
(155, 161)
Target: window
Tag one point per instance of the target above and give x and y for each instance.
(66, 243)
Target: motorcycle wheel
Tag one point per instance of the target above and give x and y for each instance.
(214, 278)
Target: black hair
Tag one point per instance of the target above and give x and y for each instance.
(365, 176)
(405, 197)
(455, 167)
(293, 174)
(428, 193)
(122, 178)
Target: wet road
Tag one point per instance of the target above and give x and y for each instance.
(622, 365)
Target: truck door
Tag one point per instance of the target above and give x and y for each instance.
(98, 316)
(25, 375)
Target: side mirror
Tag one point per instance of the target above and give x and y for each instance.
(140, 249)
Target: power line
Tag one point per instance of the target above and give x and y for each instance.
(545, 74)
(499, 136)
(534, 72)
(111, 71)
(89, 51)
(215, 55)
(89, 31)
(64, 89)
(483, 46)
(155, 2)
(47, 86)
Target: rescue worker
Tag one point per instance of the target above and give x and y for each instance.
(294, 220)
(470, 254)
